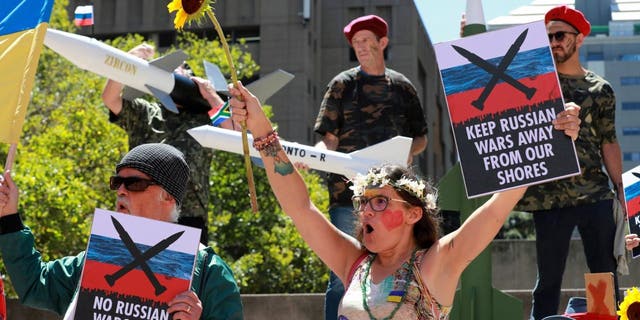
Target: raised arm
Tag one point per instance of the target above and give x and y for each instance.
(418, 144)
(111, 94)
(329, 141)
(336, 249)
(451, 254)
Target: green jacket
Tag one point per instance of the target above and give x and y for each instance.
(51, 285)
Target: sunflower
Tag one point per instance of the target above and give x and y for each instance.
(195, 10)
(630, 306)
(188, 11)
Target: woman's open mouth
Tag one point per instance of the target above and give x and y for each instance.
(368, 228)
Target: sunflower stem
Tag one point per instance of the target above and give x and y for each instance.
(243, 124)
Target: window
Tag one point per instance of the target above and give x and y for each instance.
(385, 13)
(134, 9)
(631, 156)
(595, 56)
(353, 13)
(632, 105)
(631, 131)
(629, 57)
(629, 81)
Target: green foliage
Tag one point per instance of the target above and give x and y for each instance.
(69, 149)
(519, 225)
(212, 51)
(266, 253)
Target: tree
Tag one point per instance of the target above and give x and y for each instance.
(68, 150)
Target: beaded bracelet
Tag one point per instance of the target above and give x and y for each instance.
(264, 142)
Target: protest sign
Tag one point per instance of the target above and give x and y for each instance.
(134, 266)
(502, 94)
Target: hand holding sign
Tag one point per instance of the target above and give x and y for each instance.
(504, 102)
(631, 183)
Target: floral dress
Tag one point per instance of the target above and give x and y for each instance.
(384, 299)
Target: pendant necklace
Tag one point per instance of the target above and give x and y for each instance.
(363, 287)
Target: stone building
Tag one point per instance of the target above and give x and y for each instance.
(303, 37)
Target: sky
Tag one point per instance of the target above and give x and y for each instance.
(442, 17)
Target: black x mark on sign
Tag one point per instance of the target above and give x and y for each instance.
(498, 72)
(140, 259)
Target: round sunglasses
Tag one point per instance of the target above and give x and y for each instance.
(376, 203)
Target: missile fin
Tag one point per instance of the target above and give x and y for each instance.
(164, 98)
(215, 76)
(268, 85)
(170, 61)
(167, 63)
(129, 93)
(393, 151)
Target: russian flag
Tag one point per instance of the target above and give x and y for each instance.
(83, 16)
(23, 25)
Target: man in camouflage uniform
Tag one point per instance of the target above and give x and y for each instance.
(584, 201)
(146, 122)
(363, 106)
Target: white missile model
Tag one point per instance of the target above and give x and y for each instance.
(392, 151)
(153, 77)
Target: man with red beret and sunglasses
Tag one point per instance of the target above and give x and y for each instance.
(363, 106)
(585, 201)
(150, 181)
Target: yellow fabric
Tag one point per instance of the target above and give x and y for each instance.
(19, 53)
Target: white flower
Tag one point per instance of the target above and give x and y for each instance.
(416, 188)
(430, 201)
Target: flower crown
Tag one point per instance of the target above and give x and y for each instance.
(379, 179)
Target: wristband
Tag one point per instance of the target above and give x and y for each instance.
(263, 142)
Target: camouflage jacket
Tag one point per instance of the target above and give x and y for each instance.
(598, 104)
(147, 122)
(362, 110)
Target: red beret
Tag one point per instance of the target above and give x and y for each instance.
(571, 16)
(372, 23)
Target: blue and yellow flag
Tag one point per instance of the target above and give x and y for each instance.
(23, 25)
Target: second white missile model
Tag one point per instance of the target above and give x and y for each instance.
(393, 151)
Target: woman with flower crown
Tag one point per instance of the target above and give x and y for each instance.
(397, 268)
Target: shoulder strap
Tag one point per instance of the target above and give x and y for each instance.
(355, 265)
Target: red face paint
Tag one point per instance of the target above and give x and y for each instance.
(392, 219)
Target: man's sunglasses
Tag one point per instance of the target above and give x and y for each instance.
(377, 203)
(559, 35)
(135, 184)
